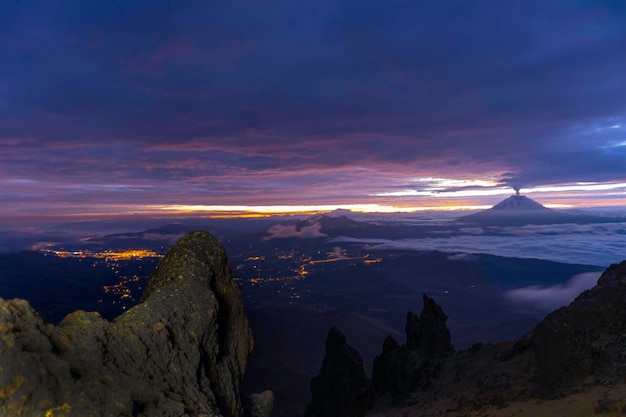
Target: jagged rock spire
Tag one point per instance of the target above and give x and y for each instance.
(341, 389)
(428, 333)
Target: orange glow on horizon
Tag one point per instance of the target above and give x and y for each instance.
(216, 211)
(561, 198)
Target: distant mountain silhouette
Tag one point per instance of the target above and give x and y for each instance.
(334, 226)
(331, 226)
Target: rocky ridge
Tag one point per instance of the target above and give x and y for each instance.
(181, 351)
(574, 349)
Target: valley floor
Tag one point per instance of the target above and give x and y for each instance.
(604, 401)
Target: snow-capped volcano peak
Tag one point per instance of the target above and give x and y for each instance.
(518, 202)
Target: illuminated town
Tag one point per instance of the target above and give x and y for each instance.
(277, 272)
(109, 255)
(126, 272)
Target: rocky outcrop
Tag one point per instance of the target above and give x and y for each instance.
(586, 339)
(180, 352)
(342, 388)
(399, 370)
(574, 348)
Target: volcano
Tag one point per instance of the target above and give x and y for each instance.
(519, 210)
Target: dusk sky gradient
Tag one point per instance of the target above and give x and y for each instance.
(137, 106)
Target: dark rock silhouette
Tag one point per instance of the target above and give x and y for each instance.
(181, 351)
(587, 338)
(342, 388)
(399, 370)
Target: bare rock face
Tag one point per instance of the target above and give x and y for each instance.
(259, 405)
(342, 388)
(586, 339)
(180, 352)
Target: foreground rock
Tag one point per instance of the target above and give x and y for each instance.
(587, 339)
(342, 388)
(180, 352)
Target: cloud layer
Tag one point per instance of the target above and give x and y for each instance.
(547, 299)
(594, 244)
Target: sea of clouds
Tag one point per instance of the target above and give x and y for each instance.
(592, 244)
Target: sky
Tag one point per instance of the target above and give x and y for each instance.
(117, 107)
